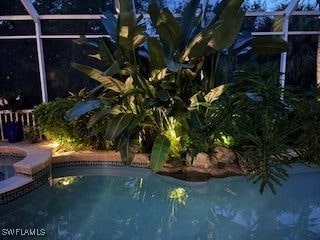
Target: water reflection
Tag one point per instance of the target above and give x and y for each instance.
(101, 207)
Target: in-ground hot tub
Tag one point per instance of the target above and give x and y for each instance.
(24, 168)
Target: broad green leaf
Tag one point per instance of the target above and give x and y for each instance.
(139, 35)
(128, 147)
(218, 10)
(157, 59)
(156, 54)
(160, 152)
(109, 22)
(269, 45)
(215, 93)
(194, 29)
(96, 117)
(187, 17)
(82, 108)
(117, 125)
(166, 25)
(218, 35)
(189, 21)
(107, 81)
(105, 54)
(113, 69)
(127, 25)
(137, 119)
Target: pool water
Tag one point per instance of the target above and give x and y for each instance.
(111, 205)
(6, 171)
(6, 165)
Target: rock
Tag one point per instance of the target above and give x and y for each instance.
(202, 160)
(223, 157)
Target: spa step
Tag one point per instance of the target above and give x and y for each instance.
(14, 183)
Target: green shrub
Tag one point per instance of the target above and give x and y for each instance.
(71, 135)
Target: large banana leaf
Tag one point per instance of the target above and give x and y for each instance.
(113, 69)
(107, 81)
(130, 32)
(99, 115)
(160, 152)
(128, 147)
(189, 19)
(157, 59)
(166, 25)
(117, 125)
(218, 35)
(82, 108)
(269, 45)
(105, 54)
(218, 10)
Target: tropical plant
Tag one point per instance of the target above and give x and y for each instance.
(251, 118)
(153, 87)
(307, 115)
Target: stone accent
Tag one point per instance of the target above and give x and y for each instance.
(223, 157)
(202, 160)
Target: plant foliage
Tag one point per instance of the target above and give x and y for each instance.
(161, 93)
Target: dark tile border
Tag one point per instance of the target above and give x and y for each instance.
(97, 163)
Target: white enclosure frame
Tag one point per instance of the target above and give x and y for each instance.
(36, 18)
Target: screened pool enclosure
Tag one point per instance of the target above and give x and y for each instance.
(53, 22)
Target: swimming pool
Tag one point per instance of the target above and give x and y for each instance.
(122, 203)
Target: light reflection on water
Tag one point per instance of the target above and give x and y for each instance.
(154, 207)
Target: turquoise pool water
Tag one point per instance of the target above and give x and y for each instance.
(120, 203)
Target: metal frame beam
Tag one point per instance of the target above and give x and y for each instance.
(289, 11)
(42, 68)
(98, 16)
(285, 29)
